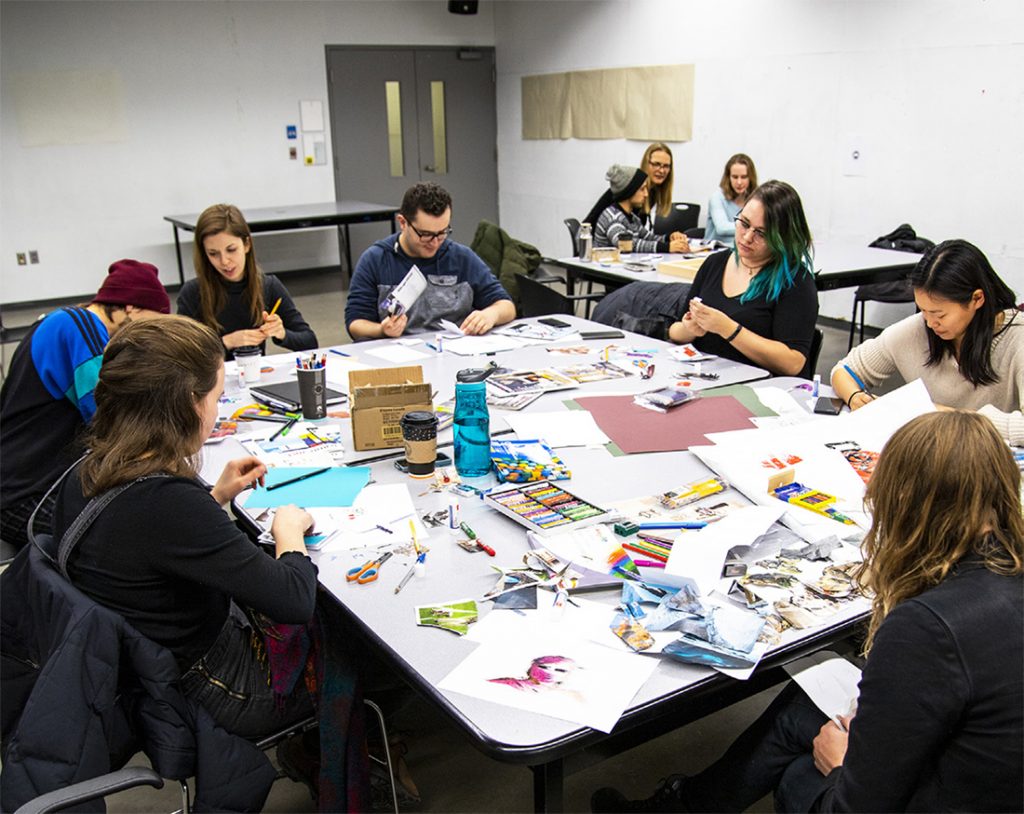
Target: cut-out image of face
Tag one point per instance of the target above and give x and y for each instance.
(544, 673)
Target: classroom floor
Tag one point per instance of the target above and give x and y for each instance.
(452, 775)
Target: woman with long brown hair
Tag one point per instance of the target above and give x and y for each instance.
(165, 555)
(658, 163)
(231, 295)
(939, 724)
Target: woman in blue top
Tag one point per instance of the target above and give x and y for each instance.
(758, 303)
(738, 179)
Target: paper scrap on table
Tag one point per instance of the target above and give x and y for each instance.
(561, 428)
(830, 681)
(555, 675)
(397, 354)
(338, 486)
(697, 558)
(451, 327)
(489, 343)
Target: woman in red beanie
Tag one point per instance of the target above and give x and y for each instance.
(231, 295)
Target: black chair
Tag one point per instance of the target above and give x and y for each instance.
(813, 354)
(894, 291)
(696, 233)
(681, 217)
(538, 300)
(573, 226)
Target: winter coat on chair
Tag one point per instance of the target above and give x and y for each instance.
(82, 691)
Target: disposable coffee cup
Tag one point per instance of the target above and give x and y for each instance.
(419, 434)
(249, 360)
(313, 391)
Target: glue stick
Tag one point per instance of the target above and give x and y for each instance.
(454, 511)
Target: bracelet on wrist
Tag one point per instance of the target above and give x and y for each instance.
(849, 401)
(735, 333)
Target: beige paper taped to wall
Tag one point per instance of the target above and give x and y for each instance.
(647, 104)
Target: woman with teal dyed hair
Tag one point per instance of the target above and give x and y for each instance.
(758, 303)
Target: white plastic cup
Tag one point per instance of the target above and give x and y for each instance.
(249, 361)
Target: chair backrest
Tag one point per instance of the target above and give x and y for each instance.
(682, 216)
(697, 232)
(538, 300)
(573, 226)
(812, 356)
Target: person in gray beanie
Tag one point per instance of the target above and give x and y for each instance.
(616, 212)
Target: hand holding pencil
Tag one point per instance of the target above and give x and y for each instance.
(272, 326)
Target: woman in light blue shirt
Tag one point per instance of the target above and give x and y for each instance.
(739, 179)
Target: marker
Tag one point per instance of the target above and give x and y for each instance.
(433, 347)
(855, 377)
(284, 430)
(290, 481)
(412, 531)
(276, 306)
(340, 353)
(384, 528)
(649, 563)
(817, 384)
(673, 525)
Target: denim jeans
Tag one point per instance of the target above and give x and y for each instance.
(232, 683)
(774, 753)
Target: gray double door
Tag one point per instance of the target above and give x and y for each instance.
(403, 115)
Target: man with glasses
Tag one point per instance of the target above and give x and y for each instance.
(459, 286)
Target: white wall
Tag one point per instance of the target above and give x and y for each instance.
(933, 91)
(208, 88)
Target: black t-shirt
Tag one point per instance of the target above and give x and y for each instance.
(165, 556)
(789, 320)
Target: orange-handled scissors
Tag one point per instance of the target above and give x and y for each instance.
(368, 571)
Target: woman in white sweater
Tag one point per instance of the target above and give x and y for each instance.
(966, 345)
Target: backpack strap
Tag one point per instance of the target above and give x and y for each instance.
(81, 524)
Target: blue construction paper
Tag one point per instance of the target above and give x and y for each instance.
(336, 487)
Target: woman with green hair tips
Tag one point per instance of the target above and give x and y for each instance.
(758, 303)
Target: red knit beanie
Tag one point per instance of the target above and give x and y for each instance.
(130, 282)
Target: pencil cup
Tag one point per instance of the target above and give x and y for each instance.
(249, 360)
(419, 433)
(313, 391)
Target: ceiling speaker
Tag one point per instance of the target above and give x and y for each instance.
(462, 6)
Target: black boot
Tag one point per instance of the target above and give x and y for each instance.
(667, 797)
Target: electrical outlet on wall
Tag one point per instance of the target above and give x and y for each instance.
(21, 259)
(33, 256)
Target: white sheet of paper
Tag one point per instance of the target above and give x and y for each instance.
(397, 354)
(697, 557)
(562, 428)
(451, 327)
(829, 680)
(556, 675)
(489, 343)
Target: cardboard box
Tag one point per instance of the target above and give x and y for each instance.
(684, 269)
(379, 397)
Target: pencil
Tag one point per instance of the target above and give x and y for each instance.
(290, 481)
(412, 530)
(276, 306)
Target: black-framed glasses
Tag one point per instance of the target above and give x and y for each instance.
(743, 225)
(428, 237)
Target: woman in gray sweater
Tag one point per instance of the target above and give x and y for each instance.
(966, 344)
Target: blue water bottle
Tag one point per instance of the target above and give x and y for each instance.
(472, 423)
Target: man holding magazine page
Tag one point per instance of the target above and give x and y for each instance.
(409, 282)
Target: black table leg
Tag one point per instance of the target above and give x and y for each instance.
(548, 782)
(177, 254)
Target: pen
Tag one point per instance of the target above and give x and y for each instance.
(433, 347)
(649, 563)
(276, 306)
(385, 528)
(674, 525)
(340, 353)
(284, 429)
(855, 377)
(290, 481)
(405, 579)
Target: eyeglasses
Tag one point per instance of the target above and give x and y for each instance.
(429, 237)
(657, 165)
(743, 225)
